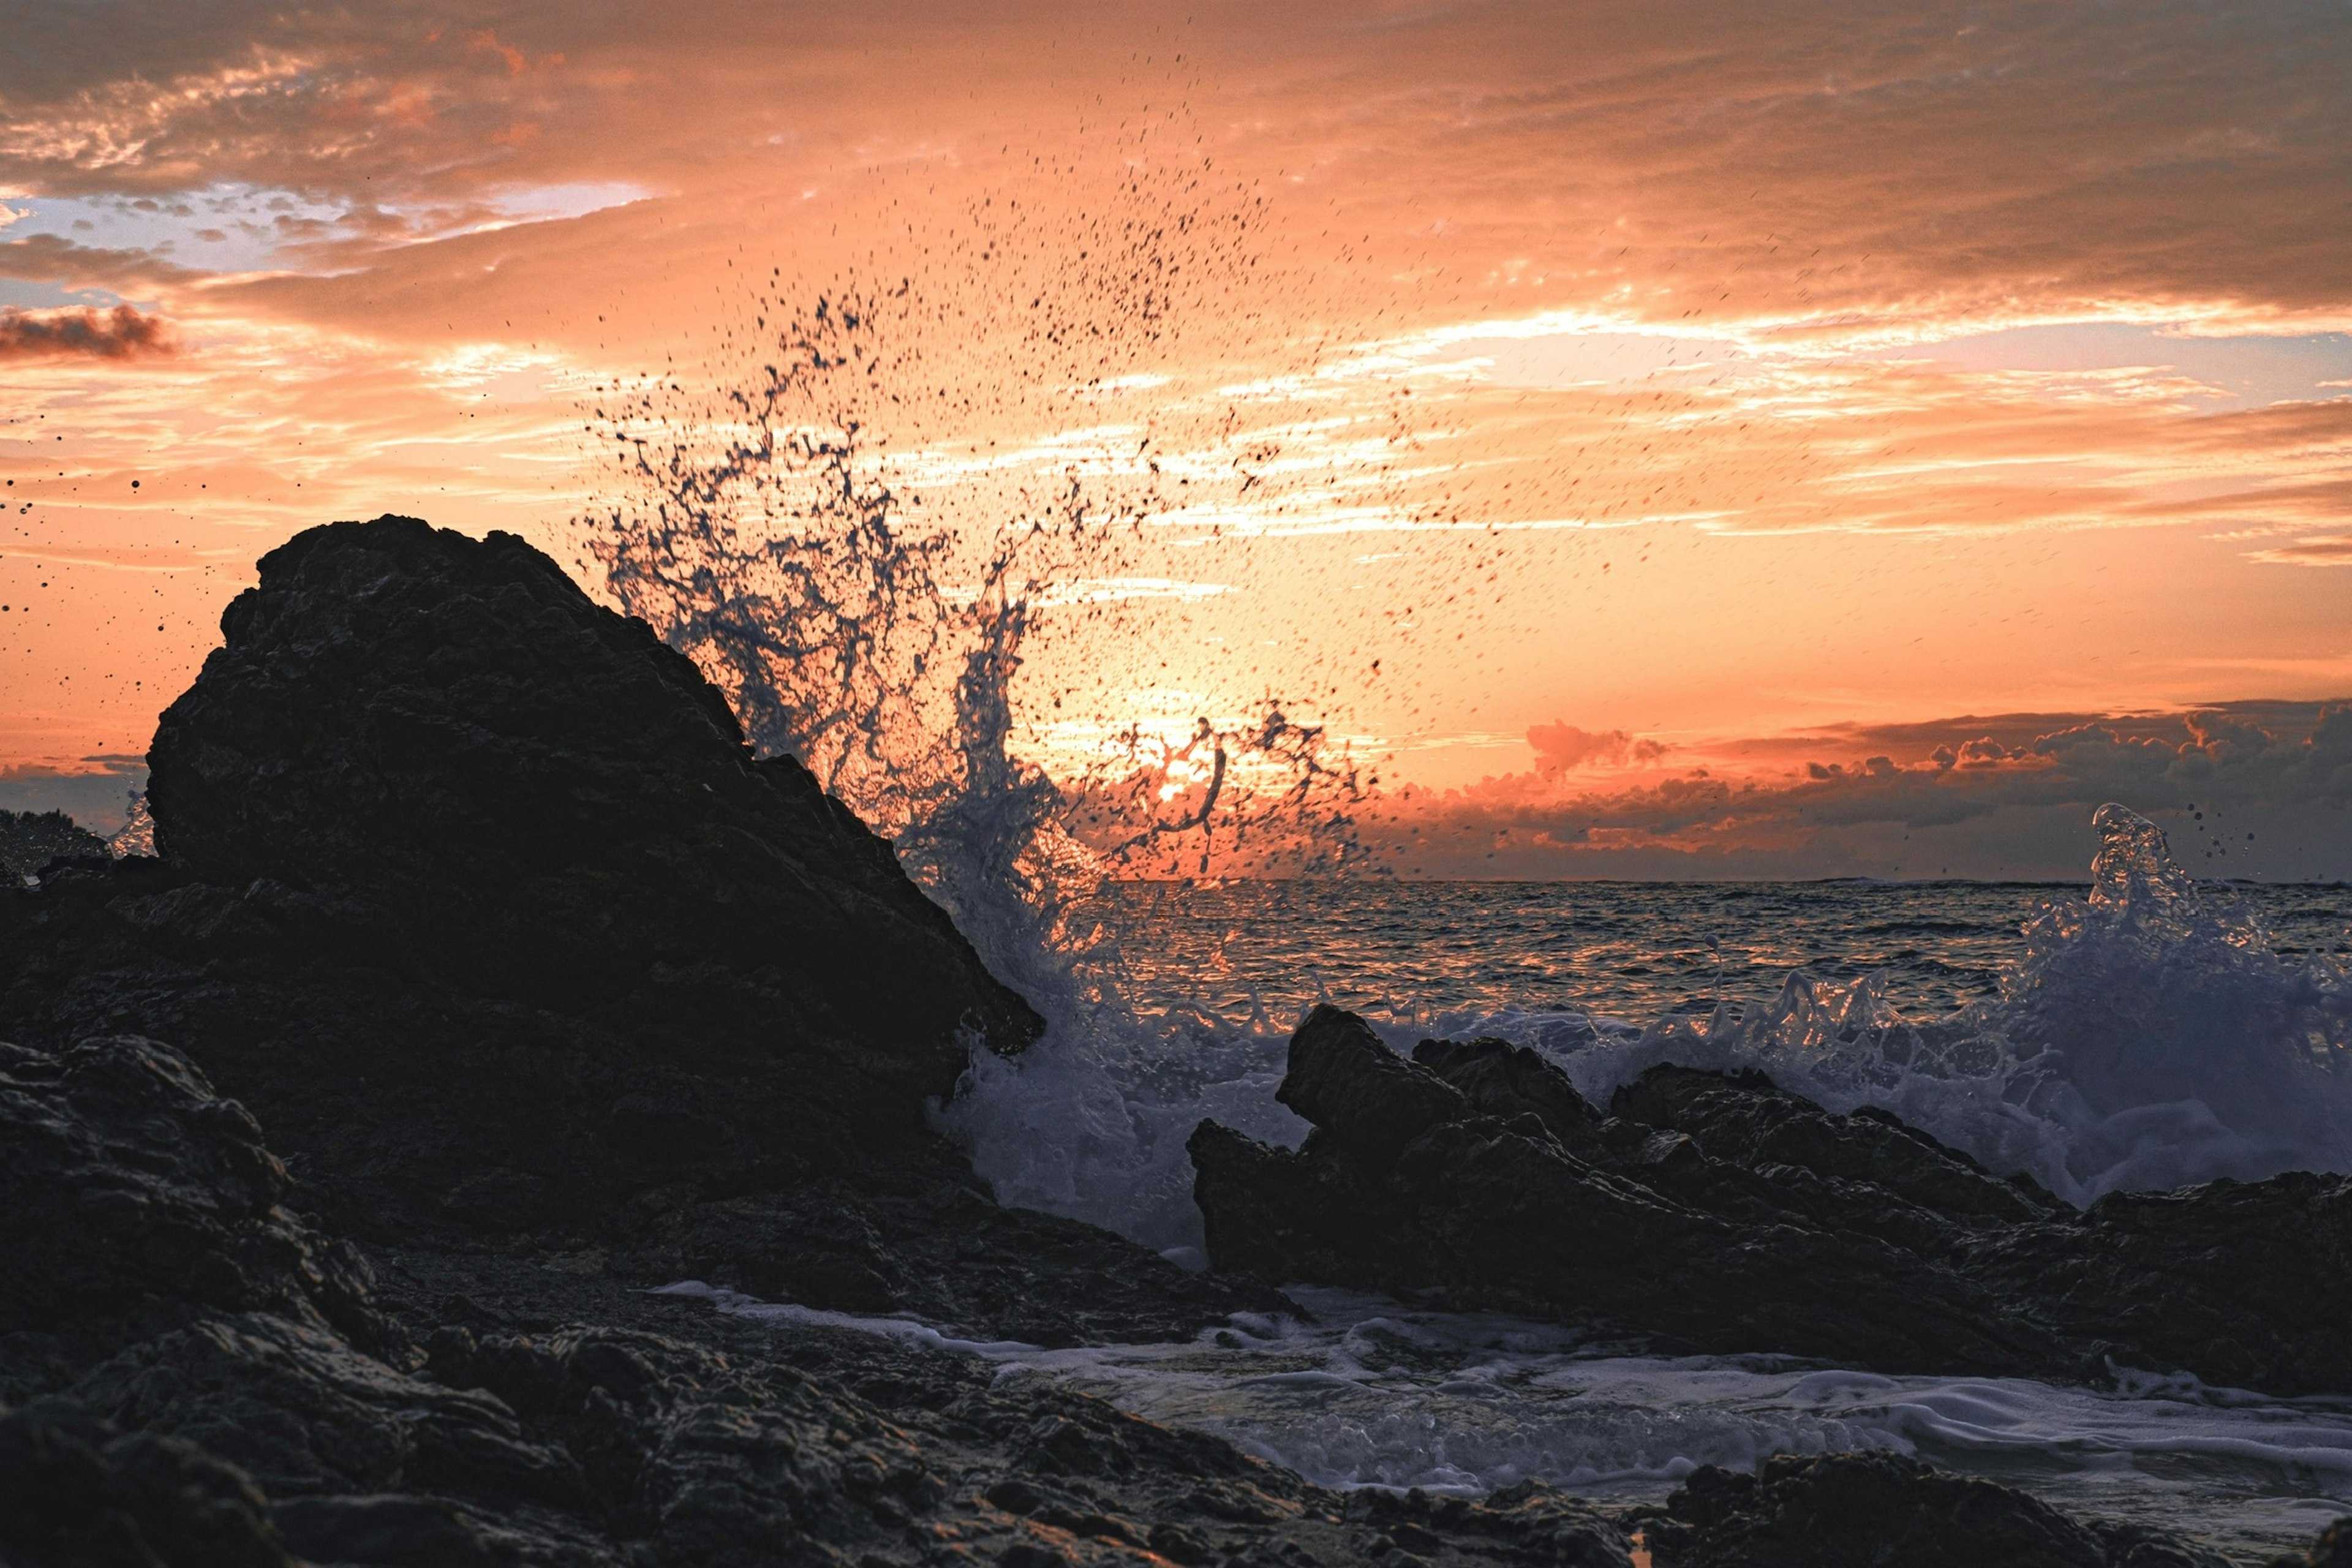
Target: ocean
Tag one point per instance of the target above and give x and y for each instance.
(2142, 1030)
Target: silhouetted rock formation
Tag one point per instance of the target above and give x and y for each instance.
(1857, 1510)
(29, 840)
(1720, 1213)
(470, 887)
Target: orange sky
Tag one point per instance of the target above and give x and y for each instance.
(1763, 387)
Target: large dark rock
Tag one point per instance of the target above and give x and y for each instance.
(472, 890)
(1716, 1212)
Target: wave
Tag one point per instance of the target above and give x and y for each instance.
(1376, 1393)
(2149, 1038)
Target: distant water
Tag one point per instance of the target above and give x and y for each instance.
(1628, 951)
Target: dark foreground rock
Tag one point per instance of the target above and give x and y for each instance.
(183, 1394)
(514, 1406)
(1721, 1213)
(1859, 1510)
(30, 840)
(471, 890)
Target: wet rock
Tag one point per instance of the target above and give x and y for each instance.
(1718, 1212)
(1856, 1510)
(1496, 1211)
(78, 1492)
(30, 840)
(472, 891)
(136, 1198)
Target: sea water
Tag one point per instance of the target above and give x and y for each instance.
(2141, 1029)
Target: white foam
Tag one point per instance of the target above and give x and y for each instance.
(2150, 1039)
(1373, 1393)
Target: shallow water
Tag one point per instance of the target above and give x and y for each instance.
(2145, 1030)
(1376, 1393)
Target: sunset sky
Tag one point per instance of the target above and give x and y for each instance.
(1676, 439)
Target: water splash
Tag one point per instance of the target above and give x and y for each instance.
(821, 526)
(2150, 1038)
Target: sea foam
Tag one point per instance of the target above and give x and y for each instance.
(2149, 1038)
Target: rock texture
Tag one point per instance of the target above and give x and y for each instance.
(472, 890)
(1859, 1510)
(184, 1394)
(30, 840)
(1719, 1213)
(508, 1407)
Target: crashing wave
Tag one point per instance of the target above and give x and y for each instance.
(2150, 1038)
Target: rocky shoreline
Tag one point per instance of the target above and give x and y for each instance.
(1721, 1213)
(486, 981)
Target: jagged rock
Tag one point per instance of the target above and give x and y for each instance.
(30, 840)
(132, 1198)
(1718, 1212)
(1500, 1212)
(1858, 1510)
(469, 881)
(78, 1492)
(470, 889)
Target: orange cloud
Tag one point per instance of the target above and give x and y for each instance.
(120, 334)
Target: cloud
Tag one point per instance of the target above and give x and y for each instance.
(1563, 748)
(2323, 549)
(86, 333)
(2258, 789)
(50, 258)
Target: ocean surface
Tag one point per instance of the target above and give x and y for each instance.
(1629, 951)
(2142, 1030)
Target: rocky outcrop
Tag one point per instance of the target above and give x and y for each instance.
(30, 840)
(184, 1394)
(1718, 1213)
(1857, 1510)
(471, 889)
(134, 1198)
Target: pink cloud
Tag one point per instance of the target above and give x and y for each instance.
(122, 333)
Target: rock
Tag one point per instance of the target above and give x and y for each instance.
(131, 1199)
(78, 1492)
(470, 890)
(2245, 1284)
(2332, 1550)
(1364, 1101)
(440, 833)
(1857, 1510)
(1716, 1212)
(30, 840)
